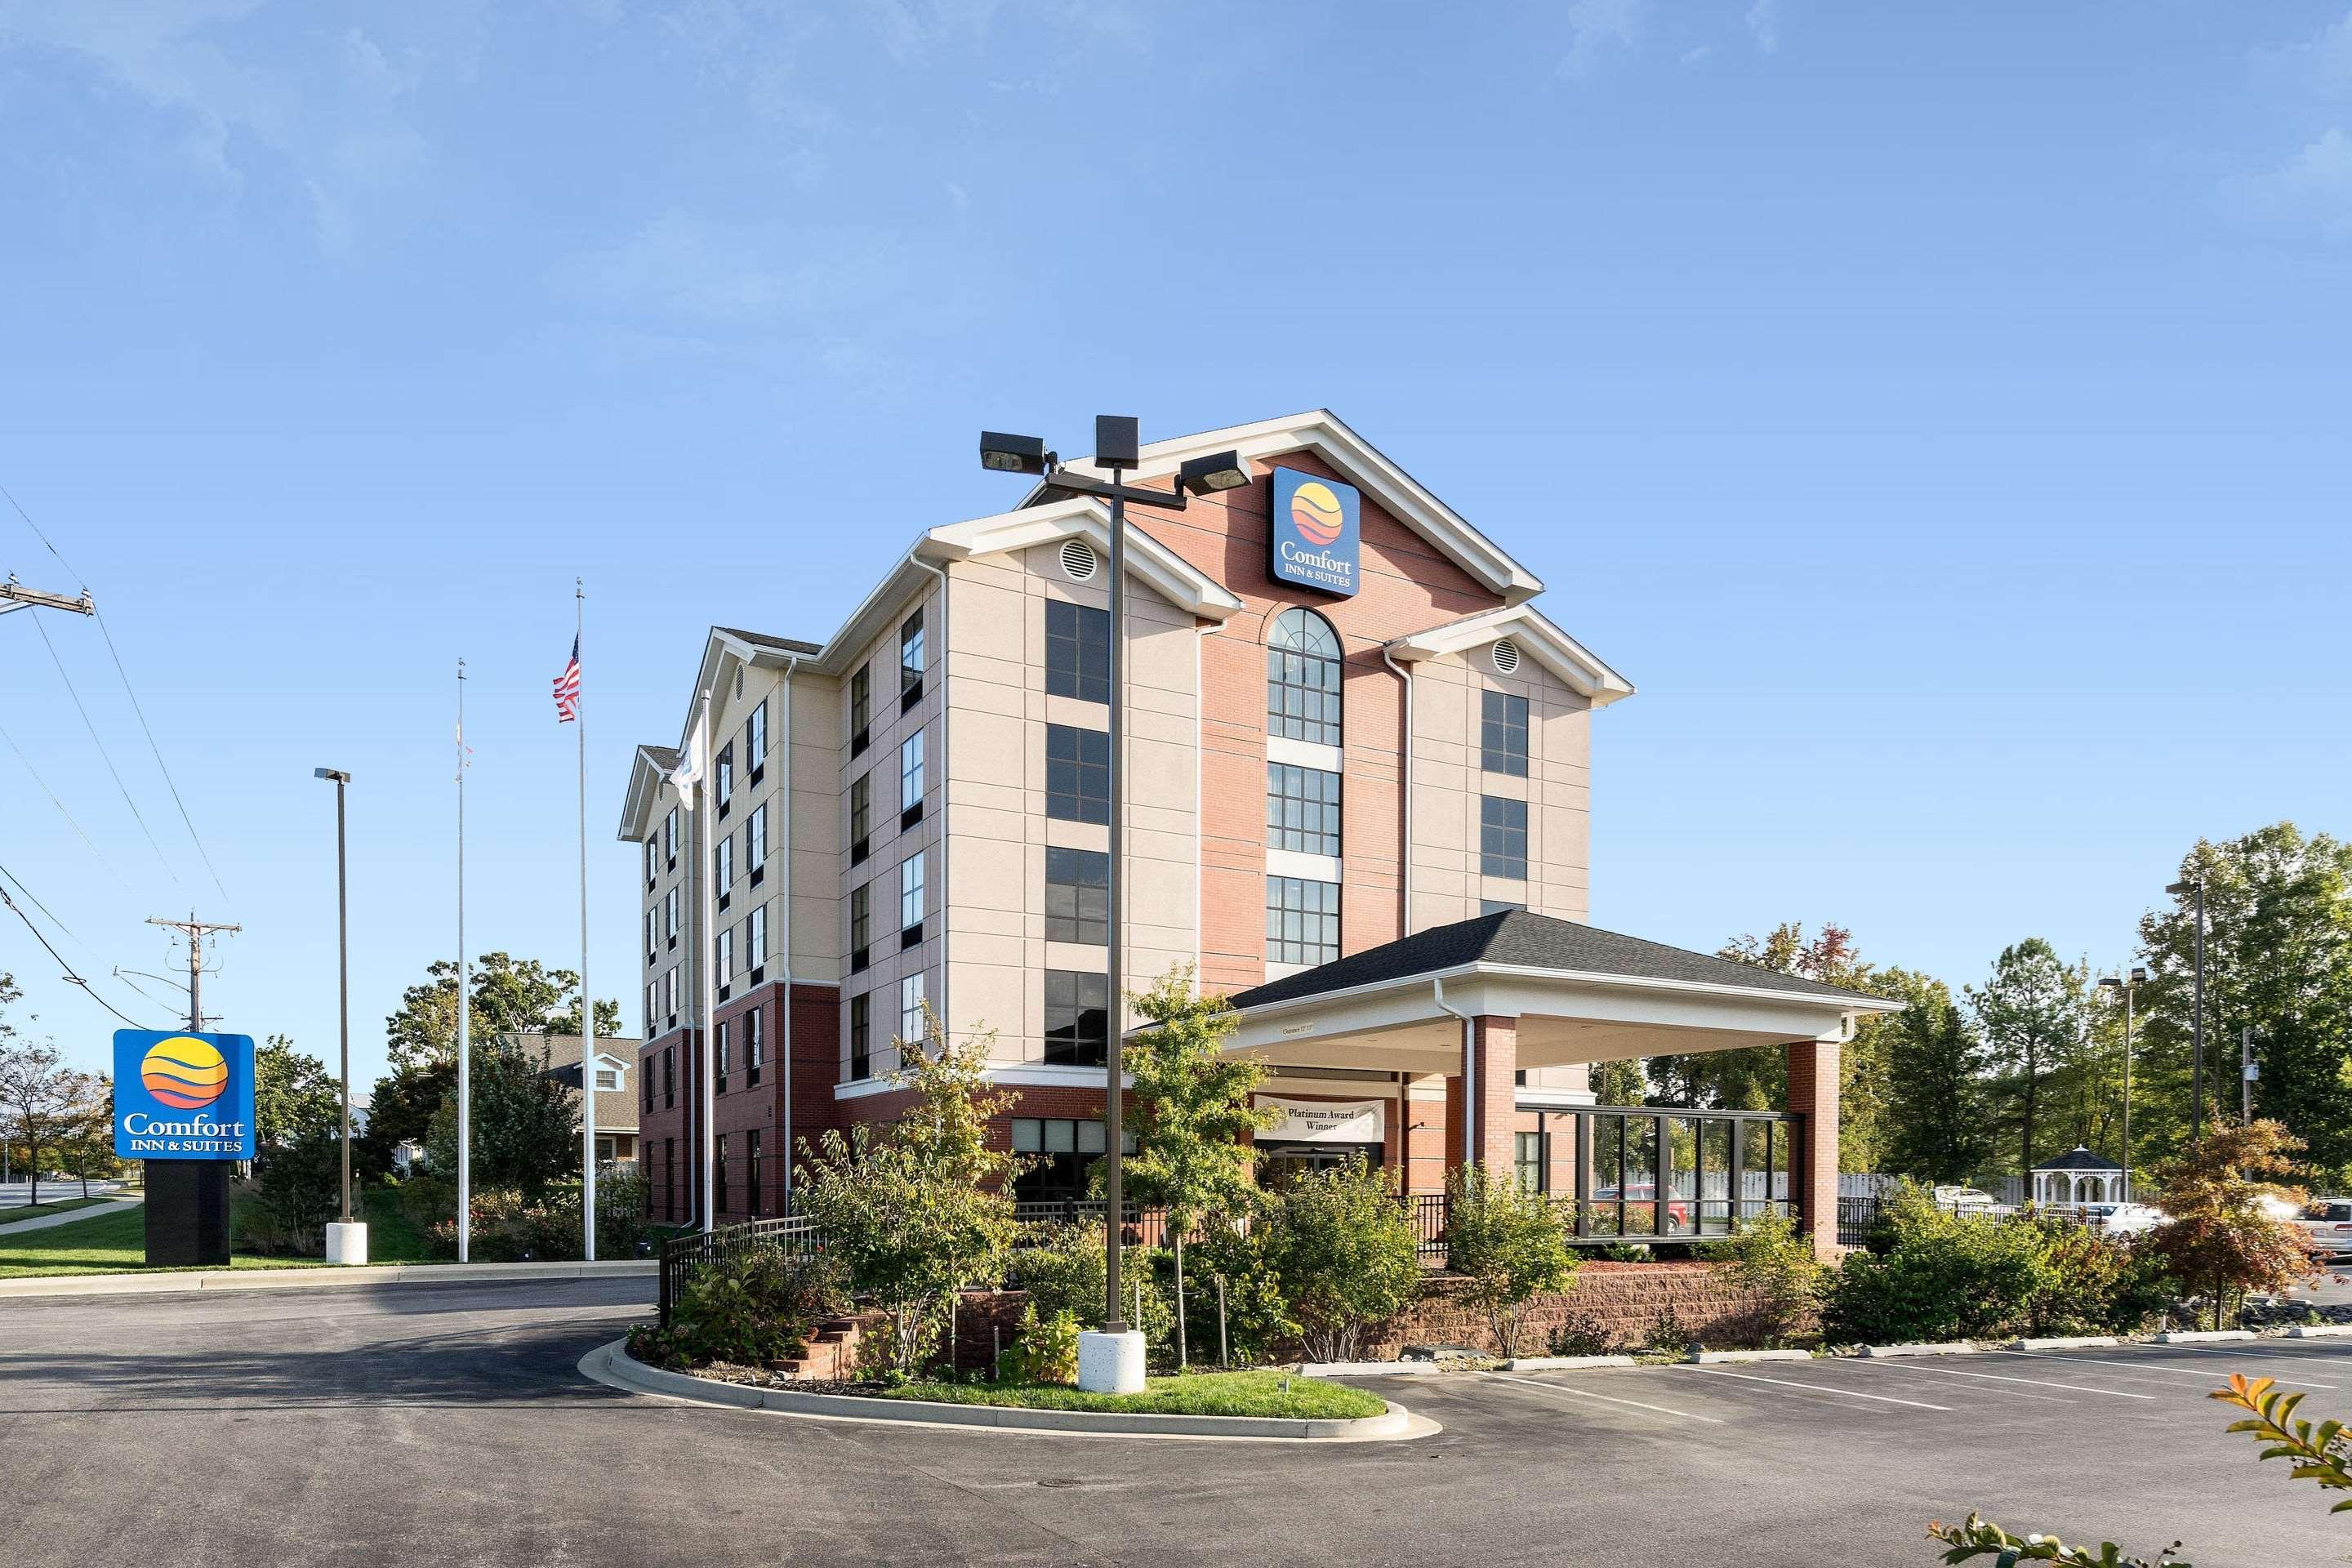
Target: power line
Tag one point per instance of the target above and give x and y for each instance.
(32, 899)
(103, 754)
(70, 976)
(60, 804)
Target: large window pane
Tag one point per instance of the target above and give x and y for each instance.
(1503, 733)
(1502, 836)
(1077, 651)
(1302, 920)
(1077, 895)
(1078, 774)
(1302, 679)
(1302, 809)
(1077, 1017)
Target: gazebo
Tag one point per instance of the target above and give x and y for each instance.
(2079, 1176)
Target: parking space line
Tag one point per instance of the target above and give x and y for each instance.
(1889, 1368)
(2257, 1355)
(2144, 1368)
(1816, 1388)
(1605, 1399)
(2036, 1382)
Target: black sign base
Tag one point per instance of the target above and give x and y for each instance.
(187, 1214)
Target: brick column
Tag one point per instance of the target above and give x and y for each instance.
(1813, 1095)
(1489, 1074)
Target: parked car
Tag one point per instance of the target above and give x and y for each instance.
(2328, 1222)
(1968, 1201)
(2123, 1219)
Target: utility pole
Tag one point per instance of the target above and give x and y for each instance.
(2247, 1073)
(14, 595)
(195, 931)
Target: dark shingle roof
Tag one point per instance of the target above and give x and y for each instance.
(2079, 1159)
(663, 757)
(1533, 941)
(785, 645)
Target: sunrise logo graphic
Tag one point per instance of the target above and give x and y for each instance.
(186, 1073)
(1315, 512)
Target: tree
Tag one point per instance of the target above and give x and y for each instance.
(292, 1096)
(1505, 1243)
(524, 1124)
(1345, 1252)
(87, 1148)
(2278, 956)
(2032, 1013)
(1937, 1115)
(2223, 1231)
(511, 997)
(41, 1098)
(1192, 1107)
(608, 1017)
(402, 1109)
(925, 1209)
(1620, 1083)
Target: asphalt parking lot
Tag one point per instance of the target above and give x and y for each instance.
(447, 1425)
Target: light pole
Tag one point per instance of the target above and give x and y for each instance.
(1117, 449)
(2130, 987)
(2195, 885)
(347, 1237)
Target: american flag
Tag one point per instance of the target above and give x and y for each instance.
(567, 688)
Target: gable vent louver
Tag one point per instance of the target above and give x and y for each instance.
(1078, 560)
(1507, 655)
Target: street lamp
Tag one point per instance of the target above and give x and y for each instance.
(1119, 1365)
(2128, 987)
(347, 1237)
(2197, 1028)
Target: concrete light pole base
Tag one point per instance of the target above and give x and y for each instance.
(1111, 1363)
(347, 1243)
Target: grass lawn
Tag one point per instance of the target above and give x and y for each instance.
(110, 1243)
(1194, 1394)
(51, 1206)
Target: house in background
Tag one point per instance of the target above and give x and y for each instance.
(617, 1098)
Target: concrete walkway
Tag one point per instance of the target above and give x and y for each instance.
(178, 1282)
(87, 1211)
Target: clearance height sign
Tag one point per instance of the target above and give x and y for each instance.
(1315, 542)
(182, 1096)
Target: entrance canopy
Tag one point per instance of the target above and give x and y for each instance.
(1579, 993)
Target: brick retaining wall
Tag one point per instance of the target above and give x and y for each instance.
(1623, 1298)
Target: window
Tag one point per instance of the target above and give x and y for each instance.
(861, 924)
(722, 867)
(725, 1053)
(755, 738)
(1302, 679)
(1502, 836)
(1059, 1150)
(911, 660)
(1302, 920)
(669, 996)
(1078, 774)
(669, 1077)
(755, 1050)
(752, 1189)
(1077, 1017)
(910, 780)
(652, 1008)
(910, 898)
(1527, 1162)
(608, 1080)
(861, 1045)
(718, 1175)
(669, 839)
(1503, 733)
(861, 703)
(653, 943)
(755, 939)
(645, 1100)
(723, 961)
(910, 1012)
(755, 843)
(670, 916)
(1077, 895)
(861, 815)
(1302, 809)
(726, 782)
(652, 864)
(1077, 652)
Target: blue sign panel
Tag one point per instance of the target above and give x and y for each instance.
(1315, 531)
(182, 1097)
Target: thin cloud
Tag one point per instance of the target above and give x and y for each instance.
(1594, 29)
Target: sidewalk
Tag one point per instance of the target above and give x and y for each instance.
(90, 1211)
(157, 1283)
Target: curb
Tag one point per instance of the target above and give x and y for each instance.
(130, 1283)
(2066, 1343)
(1566, 1363)
(2319, 1331)
(2201, 1336)
(1701, 1358)
(1952, 1347)
(612, 1365)
(1367, 1368)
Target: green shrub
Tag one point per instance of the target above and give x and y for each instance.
(2099, 1284)
(1508, 1246)
(1669, 1338)
(1580, 1333)
(750, 1309)
(1771, 1257)
(1345, 1253)
(1046, 1351)
(1257, 1322)
(1060, 1265)
(1943, 1277)
(292, 1197)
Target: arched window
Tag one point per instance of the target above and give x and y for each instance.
(1302, 679)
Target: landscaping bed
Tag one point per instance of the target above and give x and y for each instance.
(1257, 1393)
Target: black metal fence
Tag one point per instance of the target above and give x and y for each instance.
(681, 1255)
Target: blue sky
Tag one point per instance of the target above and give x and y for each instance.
(1936, 410)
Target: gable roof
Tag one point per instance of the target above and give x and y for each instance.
(1531, 630)
(1517, 940)
(2079, 1158)
(1323, 432)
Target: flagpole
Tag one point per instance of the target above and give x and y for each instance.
(465, 1038)
(705, 941)
(587, 1001)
